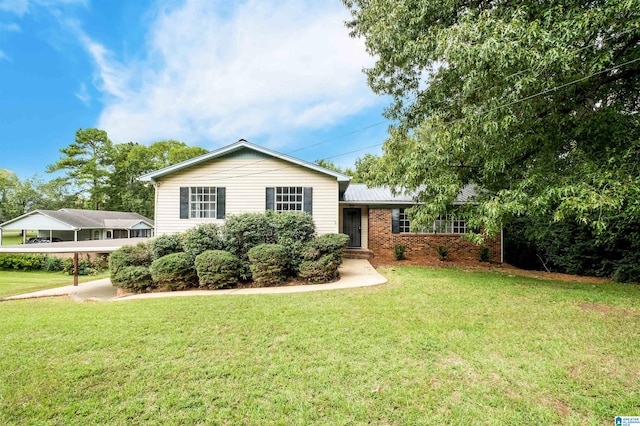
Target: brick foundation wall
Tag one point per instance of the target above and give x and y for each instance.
(382, 241)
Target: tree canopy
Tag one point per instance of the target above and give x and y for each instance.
(99, 175)
(534, 102)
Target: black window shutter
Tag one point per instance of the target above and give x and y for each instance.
(395, 221)
(308, 200)
(184, 203)
(270, 203)
(220, 202)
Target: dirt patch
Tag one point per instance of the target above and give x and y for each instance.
(474, 265)
(605, 309)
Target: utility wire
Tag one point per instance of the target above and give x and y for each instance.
(526, 98)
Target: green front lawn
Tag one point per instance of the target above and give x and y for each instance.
(13, 238)
(433, 346)
(19, 282)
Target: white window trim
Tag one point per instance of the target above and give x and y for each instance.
(211, 209)
(299, 192)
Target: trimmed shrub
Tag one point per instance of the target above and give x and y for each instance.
(134, 278)
(484, 254)
(166, 244)
(268, 263)
(327, 244)
(129, 256)
(22, 262)
(322, 258)
(52, 264)
(174, 272)
(443, 252)
(202, 238)
(85, 267)
(322, 270)
(398, 251)
(245, 231)
(293, 231)
(217, 269)
(138, 255)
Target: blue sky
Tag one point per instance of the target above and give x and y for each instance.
(282, 74)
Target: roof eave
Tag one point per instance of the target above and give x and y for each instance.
(153, 176)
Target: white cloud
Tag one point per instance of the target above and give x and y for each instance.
(211, 76)
(13, 27)
(18, 7)
(3, 56)
(83, 94)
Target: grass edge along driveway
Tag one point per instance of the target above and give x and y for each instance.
(20, 282)
(432, 346)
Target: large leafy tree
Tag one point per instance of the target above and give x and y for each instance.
(87, 163)
(130, 160)
(534, 102)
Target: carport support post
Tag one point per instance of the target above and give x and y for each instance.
(75, 268)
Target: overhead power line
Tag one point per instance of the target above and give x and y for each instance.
(481, 113)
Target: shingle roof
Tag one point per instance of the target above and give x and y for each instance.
(361, 193)
(85, 219)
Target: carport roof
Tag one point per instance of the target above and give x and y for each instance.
(94, 246)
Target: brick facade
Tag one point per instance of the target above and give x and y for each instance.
(382, 241)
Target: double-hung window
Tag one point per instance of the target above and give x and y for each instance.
(200, 202)
(289, 199)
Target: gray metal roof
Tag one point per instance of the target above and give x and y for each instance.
(88, 219)
(359, 193)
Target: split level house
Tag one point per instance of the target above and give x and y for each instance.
(247, 178)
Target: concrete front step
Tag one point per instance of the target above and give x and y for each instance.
(358, 254)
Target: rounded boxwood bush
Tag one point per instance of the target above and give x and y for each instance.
(323, 270)
(138, 255)
(166, 244)
(174, 272)
(268, 263)
(134, 278)
(202, 238)
(327, 244)
(245, 231)
(217, 269)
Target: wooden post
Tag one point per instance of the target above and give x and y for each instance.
(75, 268)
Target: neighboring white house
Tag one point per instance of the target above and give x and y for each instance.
(81, 225)
(244, 178)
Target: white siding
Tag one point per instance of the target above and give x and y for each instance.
(245, 180)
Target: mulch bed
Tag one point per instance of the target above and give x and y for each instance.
(475, 265)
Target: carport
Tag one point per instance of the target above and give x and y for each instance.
(75, 247)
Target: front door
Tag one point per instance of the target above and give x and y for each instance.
(351, 225)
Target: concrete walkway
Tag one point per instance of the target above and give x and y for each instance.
(353, 273)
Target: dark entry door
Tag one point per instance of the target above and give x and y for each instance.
(351, 226)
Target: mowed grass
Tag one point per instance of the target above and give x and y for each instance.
(19, 282)
(12, 238)
(432, 346)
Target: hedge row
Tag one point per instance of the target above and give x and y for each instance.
(41, 262)
(259, 249)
